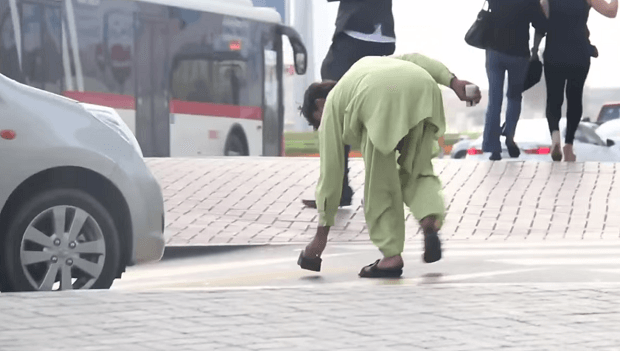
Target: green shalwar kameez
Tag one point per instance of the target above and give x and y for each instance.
(378, 103)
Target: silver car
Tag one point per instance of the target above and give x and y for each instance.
(77, 202)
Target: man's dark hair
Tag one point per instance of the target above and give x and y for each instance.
(314, 91)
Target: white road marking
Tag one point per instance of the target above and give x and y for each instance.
(528, 252)
(161, 271)
(573, 261)
(489, 245)
(603, 270)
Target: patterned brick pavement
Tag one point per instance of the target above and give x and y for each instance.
(367, 316)
(257, 201)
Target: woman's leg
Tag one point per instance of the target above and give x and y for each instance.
(555, 79)
(574, 108)
(495, 72)
(517, 71)
(574, 100)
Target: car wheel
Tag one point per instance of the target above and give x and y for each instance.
(460, 154)
(60, 239)
(235, 145)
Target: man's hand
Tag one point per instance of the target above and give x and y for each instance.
(459, 88)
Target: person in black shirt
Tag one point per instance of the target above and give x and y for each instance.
(567, 63)
(508, 50)
(363, 28)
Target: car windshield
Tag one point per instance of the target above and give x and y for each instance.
(609, 113)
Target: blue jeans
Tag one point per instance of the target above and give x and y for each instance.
(497, 65)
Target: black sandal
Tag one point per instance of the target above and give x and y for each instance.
(432, 247)
(311, 264)
(372, 271)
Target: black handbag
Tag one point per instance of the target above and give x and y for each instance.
(477, 34)
(534, 73)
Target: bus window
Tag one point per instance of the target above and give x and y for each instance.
(189, 81)
(205, 80)
(42, 63)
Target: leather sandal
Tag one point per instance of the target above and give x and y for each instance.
(373, 271)
(432, 247)
(311, 264)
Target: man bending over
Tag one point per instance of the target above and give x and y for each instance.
(393, 108)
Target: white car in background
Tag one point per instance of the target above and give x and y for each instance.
(610, 130)
(459, 149)
(533, 138)
(77, 202)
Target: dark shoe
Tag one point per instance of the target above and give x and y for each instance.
(372, 271)
(312, 203)
(311, 264)
(309, 203)
(495, 156)
(432, 247)
(513, 149)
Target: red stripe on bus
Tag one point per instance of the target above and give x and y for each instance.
(103, 99)
(176, 106)
(216, 110)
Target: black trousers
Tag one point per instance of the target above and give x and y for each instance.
(571, 78)
(342, 54)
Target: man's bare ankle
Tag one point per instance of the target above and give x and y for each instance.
(429, 224)
(391, 262)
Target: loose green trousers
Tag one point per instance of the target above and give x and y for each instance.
(399, 177)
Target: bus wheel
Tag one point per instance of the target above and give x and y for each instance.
(235, 145)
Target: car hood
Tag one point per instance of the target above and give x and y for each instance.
(10, 88)
(609, 130)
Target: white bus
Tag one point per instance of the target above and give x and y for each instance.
(189, 77)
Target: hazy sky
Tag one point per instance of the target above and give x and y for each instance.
(437, 28)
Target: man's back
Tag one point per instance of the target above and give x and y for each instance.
(377, 73)
(387, 96)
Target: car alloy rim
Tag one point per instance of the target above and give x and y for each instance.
(63, 248)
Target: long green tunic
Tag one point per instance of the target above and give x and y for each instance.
(378, 102)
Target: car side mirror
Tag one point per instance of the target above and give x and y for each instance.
(610, 143)
(299, 49)
(587, 119)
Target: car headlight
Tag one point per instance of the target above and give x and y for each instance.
(110, 117)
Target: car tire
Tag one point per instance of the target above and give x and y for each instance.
(35, 257)
(460, 154)
(235, 146)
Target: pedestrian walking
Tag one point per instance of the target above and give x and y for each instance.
(567, 63)
(508, 51)
(393, 107)
(363, 28)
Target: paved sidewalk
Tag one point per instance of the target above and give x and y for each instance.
(363, 316)
(257, 201)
